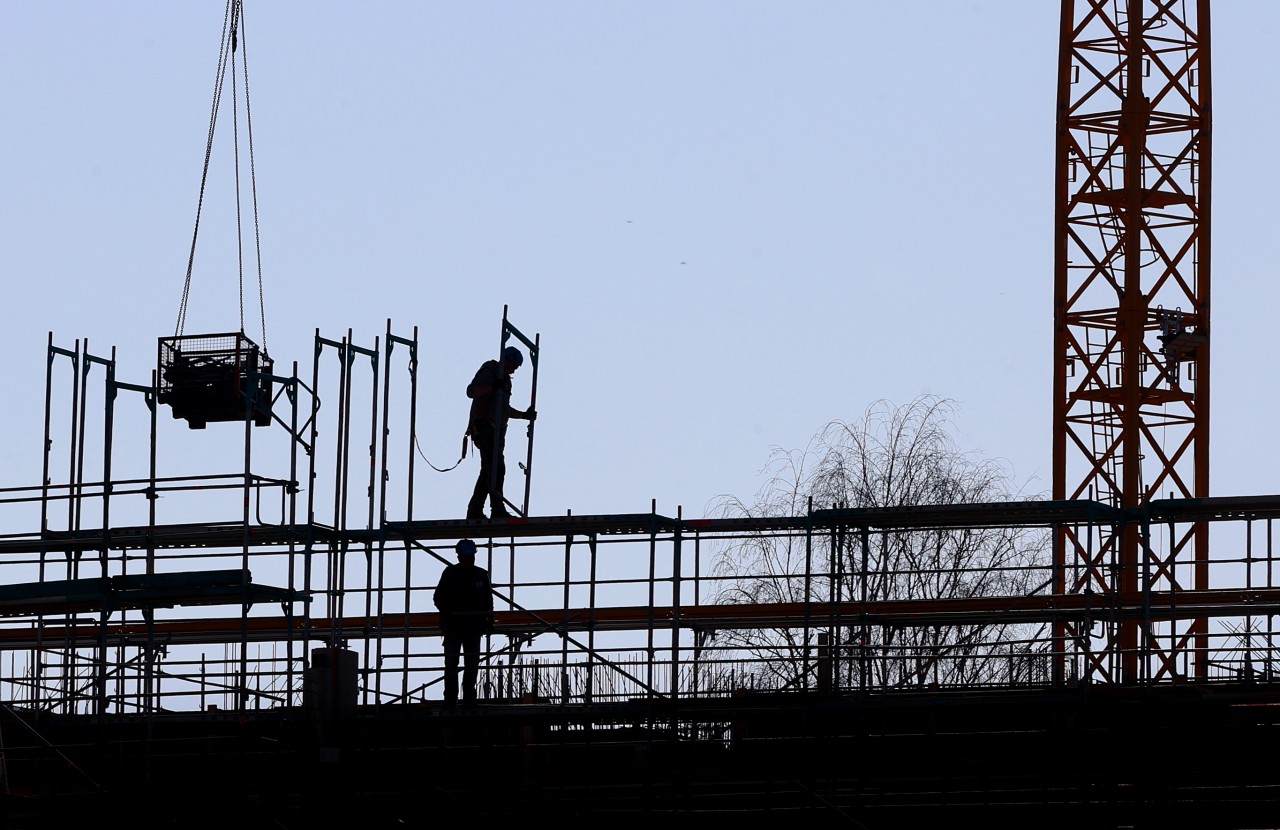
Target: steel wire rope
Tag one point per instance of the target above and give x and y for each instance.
(253, 191)
(234, 38)
(235, 155)
(224, 55)
(239, 38)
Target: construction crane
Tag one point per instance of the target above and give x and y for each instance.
(1131, 313)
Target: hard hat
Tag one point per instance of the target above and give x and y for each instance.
(465, 547)
(512, 355)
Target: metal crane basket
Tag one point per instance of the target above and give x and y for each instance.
(215, 377)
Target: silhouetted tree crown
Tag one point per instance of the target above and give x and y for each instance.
(894, 456)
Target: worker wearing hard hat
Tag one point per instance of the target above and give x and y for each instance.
(490, 394)
(464, 597)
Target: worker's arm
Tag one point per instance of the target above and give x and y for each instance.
(443, 596)
(488, 617)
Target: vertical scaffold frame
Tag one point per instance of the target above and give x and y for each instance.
(509, 331)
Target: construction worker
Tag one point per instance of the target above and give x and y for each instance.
(464, 597)
(490, 394)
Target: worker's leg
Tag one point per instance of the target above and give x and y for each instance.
(471, 667)
(452, 645)
(482, 435)
(497, 505)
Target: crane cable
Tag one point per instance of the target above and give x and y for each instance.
(234, 39)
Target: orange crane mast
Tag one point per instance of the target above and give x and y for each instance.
(1131, 310)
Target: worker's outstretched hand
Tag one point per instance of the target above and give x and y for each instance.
(530, 414)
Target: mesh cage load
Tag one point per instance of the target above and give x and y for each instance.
(215, 377)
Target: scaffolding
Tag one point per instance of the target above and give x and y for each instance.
(293, 593)
(107, 615)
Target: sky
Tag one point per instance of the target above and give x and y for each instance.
(728, 223)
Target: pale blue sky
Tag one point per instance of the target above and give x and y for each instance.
(730, 222)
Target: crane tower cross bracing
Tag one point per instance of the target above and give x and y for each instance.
(1131, 304)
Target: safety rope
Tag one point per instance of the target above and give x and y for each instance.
(434, 467)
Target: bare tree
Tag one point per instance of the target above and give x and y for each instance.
(893, 457)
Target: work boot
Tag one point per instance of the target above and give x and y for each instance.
(499, 514)
(475, 514)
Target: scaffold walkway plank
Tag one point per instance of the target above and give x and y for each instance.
(233, 535)
(138, 591)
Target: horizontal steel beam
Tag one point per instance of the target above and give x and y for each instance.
(1157, 606)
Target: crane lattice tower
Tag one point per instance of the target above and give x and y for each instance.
(1131, 310)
